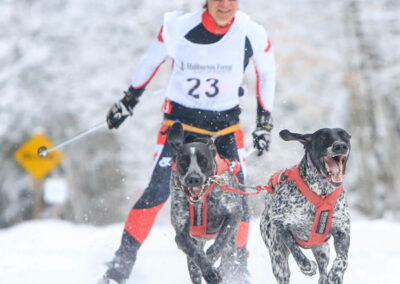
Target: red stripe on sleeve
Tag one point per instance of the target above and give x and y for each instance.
(268, 46)
(258, 87)
(151, 77)
(159, 37)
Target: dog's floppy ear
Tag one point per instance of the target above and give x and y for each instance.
(175, 135)
(286, 135)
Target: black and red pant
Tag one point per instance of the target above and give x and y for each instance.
(142, 216)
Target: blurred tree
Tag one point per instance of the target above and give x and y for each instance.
(373, 57)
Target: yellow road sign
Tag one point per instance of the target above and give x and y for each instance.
(27, 156)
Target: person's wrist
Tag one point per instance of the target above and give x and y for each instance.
(130, 100)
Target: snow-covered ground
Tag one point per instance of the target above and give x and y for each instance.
(52, 251)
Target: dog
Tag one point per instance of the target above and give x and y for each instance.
(307, 206)
(201, 210)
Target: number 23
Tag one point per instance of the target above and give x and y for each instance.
(212, 83)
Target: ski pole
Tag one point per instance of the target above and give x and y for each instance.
(43, 151)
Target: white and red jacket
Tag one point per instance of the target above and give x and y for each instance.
(209, 61)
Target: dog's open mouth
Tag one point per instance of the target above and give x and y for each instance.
(196, 193)
(335, 168)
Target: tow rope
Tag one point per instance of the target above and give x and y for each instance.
(258, 188)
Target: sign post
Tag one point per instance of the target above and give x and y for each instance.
(38, 167)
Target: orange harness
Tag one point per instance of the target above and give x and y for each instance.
(198, 211)
(325, 205)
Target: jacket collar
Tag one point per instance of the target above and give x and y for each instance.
(211, 26)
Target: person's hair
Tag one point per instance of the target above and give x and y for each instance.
(205, 4)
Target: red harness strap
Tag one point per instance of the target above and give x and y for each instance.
(198, 212)
(198, 217)
(325, 205)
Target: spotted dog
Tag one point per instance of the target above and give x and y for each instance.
(201, 210)
(307, 206)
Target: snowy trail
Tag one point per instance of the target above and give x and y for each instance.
(52, 251)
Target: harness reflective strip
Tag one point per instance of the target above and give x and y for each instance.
(194, 129)
(324, 204)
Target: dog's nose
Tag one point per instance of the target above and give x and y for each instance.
(193, 180)
(340, 147)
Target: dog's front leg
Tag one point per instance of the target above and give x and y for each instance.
(189, 247)
(194, 271)
(308, 267)
(228, 229)
(232, 270)
(341, 243)
(321, 254)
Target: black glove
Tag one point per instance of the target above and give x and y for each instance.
(115, 116)
(119, 111)
(262, 133)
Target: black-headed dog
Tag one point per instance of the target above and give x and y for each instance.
(201, 210)
(308, 205)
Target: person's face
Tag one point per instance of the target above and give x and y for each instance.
(222, 11)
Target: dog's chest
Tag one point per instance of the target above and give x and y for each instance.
(207, 216)
(293, 209)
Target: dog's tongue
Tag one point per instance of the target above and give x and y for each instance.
(334, 169)
(196, 191)
(332, 166)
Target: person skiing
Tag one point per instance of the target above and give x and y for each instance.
(210, 49)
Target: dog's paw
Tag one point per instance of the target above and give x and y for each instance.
(336, 273)
(335, 278)
(309, 267)
(212, 276)
(323, 279)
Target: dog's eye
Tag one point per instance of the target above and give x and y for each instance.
(202, 161)
(343, 134)
(340, 133)
(184, 161)
(324, 136)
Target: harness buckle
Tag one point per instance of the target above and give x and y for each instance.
(217, 180)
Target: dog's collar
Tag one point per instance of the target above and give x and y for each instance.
(314, 168)
(310, 162)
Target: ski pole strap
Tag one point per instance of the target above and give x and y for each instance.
(194, 129)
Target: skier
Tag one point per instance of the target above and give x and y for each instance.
(210, 49)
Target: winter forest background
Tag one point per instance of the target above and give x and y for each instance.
(64, 62)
